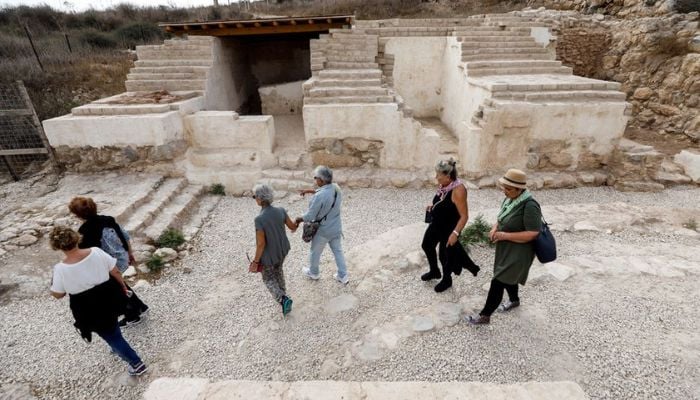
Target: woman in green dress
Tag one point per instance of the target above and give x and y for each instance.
(518, 224)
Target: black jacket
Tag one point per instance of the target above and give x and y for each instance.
(97, 309)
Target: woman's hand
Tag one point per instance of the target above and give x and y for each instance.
(499, 236)
(132, 259)
(303, 192)
(492, 233)
(452, 239)
(429, 207)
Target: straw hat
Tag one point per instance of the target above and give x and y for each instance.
(514, 178)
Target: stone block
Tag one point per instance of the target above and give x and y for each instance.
(175, 389)
(690, 161)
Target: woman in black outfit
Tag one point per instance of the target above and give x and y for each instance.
(102, 231)
(448, 216)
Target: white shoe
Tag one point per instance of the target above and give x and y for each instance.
(307, 271)
(344, 280)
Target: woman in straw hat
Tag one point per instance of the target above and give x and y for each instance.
(518, 224)
(449, 214)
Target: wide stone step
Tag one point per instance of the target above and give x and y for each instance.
(170, 85)
(194, 223)
(539, 83)
(158, 201)
(170, 70)
(520, 71)
(473, 65)
(351, 65)
(203, 389)
(489, 33)
(351, 58)
(495, 44)
(172, 215)
(94, 109)
(349, 100)
(156, 76)
(350, 74)
(160, 51)
(563, 96)
(278, 184)
(504, 50)
(173, 63)
(347, 91)
(360, 47)
(348, 82)
(495, 39)
(506, 57)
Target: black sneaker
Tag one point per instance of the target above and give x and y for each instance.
(144, 310)
(124, 323)
(138, 370)
(444, 284)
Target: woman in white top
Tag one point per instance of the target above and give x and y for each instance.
(95, 299)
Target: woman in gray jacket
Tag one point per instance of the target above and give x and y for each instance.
(325, 208)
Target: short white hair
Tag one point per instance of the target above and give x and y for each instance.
(323, 173)
(264, 193)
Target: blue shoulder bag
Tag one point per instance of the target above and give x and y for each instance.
(545, 245)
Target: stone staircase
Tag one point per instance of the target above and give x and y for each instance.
(171, 203)
(176, 65)
(345, 70)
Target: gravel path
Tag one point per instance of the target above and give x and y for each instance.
(619, 336)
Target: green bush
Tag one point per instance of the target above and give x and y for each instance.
(155, 263)
(217, 189)
(138, 33)
(691, 224)
(171, 238)
(97, 40)
(476, 233)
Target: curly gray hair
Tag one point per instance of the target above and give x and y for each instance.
(447, 167)
(323, 173)
(264, 193)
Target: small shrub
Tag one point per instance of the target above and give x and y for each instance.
(217, 189)
(691, 224)
(97, 40)
(155, 263)
(171, 238)
(476, 233)
(137, 33)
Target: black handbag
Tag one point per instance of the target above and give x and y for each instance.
(310, 228)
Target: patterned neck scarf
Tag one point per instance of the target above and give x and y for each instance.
(443, 190)
(509, 205)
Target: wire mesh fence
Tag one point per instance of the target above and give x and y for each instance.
(23, 146)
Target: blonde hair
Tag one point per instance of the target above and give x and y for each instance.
(63, 238)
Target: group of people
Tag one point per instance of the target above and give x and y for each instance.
(100, 251)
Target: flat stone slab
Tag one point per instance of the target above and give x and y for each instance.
(202, 389)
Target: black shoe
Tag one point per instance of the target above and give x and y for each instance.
(444, 284)
(431, 275)
(144, 310)
(476, 271)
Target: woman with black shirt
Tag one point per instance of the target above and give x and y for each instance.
(448, 215)
(103, 231)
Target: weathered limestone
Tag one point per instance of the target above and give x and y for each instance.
(282, 99)
(228, 149)
(203, 389)
(691, 164)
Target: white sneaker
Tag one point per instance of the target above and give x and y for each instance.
(344, 280)
(307, 271)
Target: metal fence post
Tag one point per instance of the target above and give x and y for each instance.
(31, 42)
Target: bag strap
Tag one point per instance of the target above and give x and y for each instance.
(335, 197)
(541, 214)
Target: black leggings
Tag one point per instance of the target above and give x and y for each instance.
(431, 239)
(493, 300)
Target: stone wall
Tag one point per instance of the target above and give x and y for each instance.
(138, 158)
(619, 8)
(583, 48)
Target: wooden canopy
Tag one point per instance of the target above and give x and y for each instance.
(262, 26)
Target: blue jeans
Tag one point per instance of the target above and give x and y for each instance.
(116, 341)
(318, 243)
